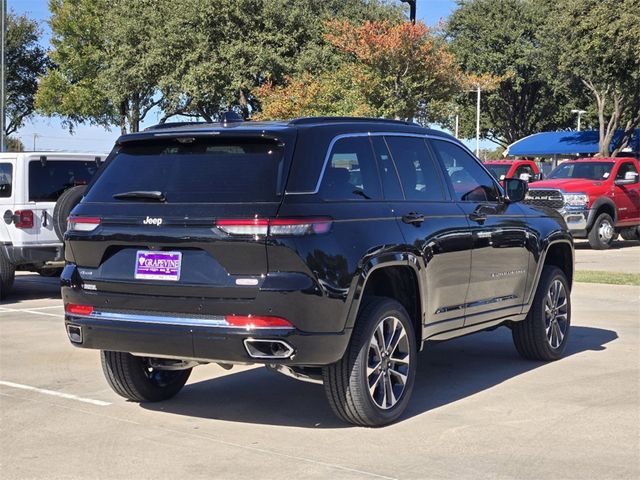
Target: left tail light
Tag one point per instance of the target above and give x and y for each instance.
(24, 219)
(75, 309)
(82, 224)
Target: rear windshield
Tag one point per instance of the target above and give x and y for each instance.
(202, 171)
(47, 180)
(587, 170)
(498, 171)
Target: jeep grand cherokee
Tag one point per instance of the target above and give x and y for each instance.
(328, 249)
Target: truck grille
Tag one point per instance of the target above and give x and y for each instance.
(545, 198)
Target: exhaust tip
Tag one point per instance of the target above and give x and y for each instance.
(268, 349)
(75, 333)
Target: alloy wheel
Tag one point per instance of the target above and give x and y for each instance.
(556, 311)
(388, 362)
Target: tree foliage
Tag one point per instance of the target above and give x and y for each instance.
(116, 60)
(398, 70)
(499, 38)
(593, 48)
(26, 61)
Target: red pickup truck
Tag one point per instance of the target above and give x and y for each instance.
(522, 169)
(599, 198)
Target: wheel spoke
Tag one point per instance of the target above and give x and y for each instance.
(390, 395)
(376, 382)
(399, 375)
(371, 370)
(396, 341)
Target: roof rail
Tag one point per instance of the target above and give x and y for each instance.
(161, 126)
(312, 120)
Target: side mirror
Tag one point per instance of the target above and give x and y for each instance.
(629, 178)
(515, 189)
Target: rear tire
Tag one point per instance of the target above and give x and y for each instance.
(131, 377)
(7, 276)
(544, 333)
(602, 233)
(372, 384)
(66, 202)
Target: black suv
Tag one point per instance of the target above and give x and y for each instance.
(328, 249)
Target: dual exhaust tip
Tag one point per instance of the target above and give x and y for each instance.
(256, 348)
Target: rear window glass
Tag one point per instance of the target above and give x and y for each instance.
(6, 173)
(48, 180)
(210, 171)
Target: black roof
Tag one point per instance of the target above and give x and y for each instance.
(279, 127)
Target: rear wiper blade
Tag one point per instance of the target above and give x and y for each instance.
(141, 194)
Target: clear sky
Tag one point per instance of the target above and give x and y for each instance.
(52, 136)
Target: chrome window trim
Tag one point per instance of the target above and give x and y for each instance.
(383, 134)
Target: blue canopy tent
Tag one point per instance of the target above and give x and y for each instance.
(555, 144)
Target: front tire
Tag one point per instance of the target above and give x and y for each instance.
(602, 233)
(544, 333)
(372, 384)
(132, 378)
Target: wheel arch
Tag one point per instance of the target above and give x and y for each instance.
(602, 205)
(557, 251)
(396, 276)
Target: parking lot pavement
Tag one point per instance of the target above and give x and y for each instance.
(478, 410)
(622, 257)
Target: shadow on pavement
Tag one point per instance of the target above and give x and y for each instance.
(32, 286)
(448, 372)
(616, 245)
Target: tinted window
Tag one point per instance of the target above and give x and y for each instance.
(47, 181)
(351, 171)
(6, 177)
(388, 173)
(587, 170)
(498, 171)
(624, 168)
(204, 171)
(524, 170)
(471, 183)
(417, 172)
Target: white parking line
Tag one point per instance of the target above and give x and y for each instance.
(29, 310)
(68, 396)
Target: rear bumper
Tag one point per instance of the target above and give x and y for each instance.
(36, 255)
(203, 343)
(189, 327)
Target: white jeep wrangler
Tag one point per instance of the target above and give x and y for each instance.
(38, 190)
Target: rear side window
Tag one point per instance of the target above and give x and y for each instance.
(6, 177)
(351, 173)
(48, 180)
(418, 175)
(203, 171)
(471, 183)
(624, 168)
(524, 172)
(388, 173)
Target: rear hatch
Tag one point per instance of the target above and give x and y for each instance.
(162, 218)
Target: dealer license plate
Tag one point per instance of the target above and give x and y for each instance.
(158, 265)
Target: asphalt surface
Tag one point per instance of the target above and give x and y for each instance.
(478, 410)
(622, 257)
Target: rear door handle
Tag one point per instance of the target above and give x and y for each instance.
(477, 217)
(413, 218)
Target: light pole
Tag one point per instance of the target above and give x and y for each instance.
(478, 123)
(412, 9)
(3, 29)
(579, 112)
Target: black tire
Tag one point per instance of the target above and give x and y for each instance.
(531, 335)
(346, 383)
(49, 272)
(66, 202)
(597, 239)
(130, 377)
(7, 276)
(631, 233)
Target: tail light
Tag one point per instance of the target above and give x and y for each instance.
(250, 322)
(75, 309)
(82, 224)
(275, 226)
(23, 219)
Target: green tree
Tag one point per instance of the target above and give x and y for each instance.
(500, 38)
(101, 74)
(593, 50)
(217, 52)
(26, 61)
